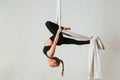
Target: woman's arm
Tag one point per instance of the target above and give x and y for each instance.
(51, 52)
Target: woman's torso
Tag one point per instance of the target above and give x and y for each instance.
(47, 46)
(48, 42)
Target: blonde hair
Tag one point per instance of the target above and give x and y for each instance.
(58, 61)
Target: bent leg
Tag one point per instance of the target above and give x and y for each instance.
(52, 27)
(73, 41)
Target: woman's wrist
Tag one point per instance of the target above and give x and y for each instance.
(62, 28)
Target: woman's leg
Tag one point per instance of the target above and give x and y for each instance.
(52, 27)
(60, 39)
(73, 41)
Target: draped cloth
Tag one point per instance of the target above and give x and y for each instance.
(94, 64)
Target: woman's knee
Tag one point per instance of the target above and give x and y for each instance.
(48, 23)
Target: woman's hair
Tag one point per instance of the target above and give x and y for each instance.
(58, 61)
(62, 73)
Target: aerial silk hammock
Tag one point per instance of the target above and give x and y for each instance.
(94, 64)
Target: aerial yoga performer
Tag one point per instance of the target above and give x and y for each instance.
(95, 44)
(58, 39)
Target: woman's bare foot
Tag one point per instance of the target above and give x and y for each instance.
(67, 28)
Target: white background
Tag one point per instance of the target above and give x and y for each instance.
(23, 32)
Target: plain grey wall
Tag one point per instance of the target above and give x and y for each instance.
(23, 31)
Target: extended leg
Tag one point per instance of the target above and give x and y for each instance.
(73, 41)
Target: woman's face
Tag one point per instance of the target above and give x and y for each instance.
(53, 63)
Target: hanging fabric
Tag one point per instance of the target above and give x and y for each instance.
(67, 33)
(94, 64)
(58, 12)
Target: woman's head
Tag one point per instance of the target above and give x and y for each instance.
(55, 62)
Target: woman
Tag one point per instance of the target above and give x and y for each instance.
(56, 40)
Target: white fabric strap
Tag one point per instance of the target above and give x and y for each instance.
(75, 35)
(58, 13)
(67, 33)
